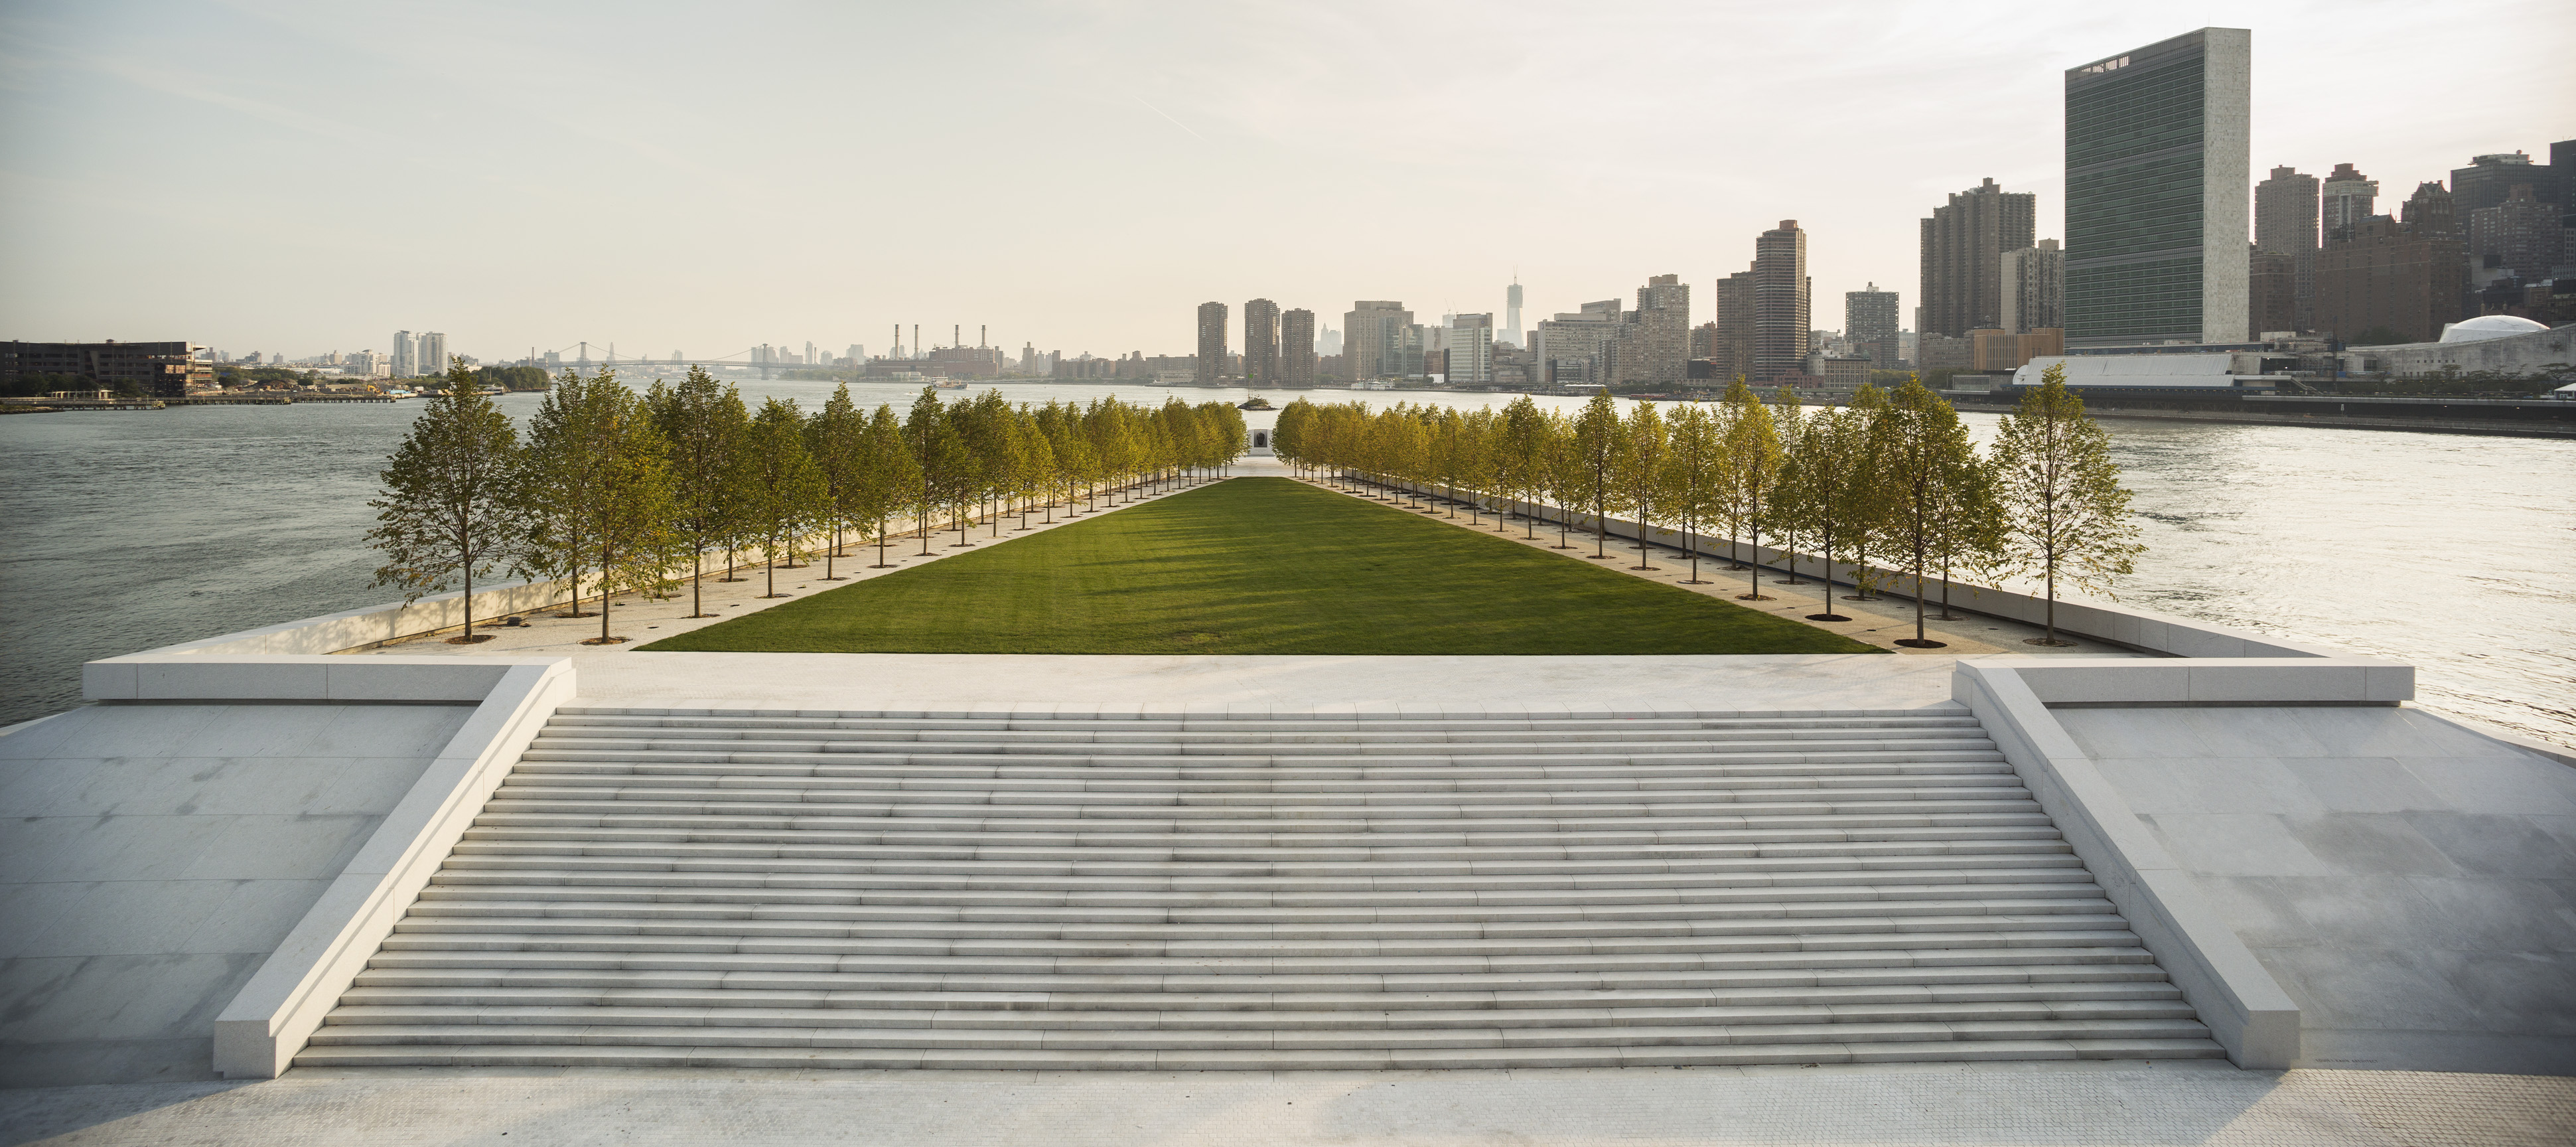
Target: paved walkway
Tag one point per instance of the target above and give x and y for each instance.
(2101, 1103)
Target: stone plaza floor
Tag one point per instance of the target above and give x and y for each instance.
(2015, 1103)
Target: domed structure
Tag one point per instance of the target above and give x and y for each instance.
(2486, 327)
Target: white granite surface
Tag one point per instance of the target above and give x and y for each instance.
(151, 855)
(2104, 1103)
(2411, 883)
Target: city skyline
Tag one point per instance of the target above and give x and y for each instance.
(761, 196)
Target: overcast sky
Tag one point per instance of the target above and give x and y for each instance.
(306, 177)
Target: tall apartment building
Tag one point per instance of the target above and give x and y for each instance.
(1653, 343)
(1211, 364)
(1569, 345)
(1512, 313)
(2034, 288)
(1297, 348)
(1470, 350)
(1869, 315)
(2382, 276)
(2520, 236)
(1780, 311)
(1368, 329)
(432, 355)
(2157, 165)
(1732, 353)
(1962, 247)
(405, 363)
(1260, 343)
(2285, 223)
(2350, 197)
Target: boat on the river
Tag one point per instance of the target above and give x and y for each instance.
(1256, 402)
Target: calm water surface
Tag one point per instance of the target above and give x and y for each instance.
(124, 531)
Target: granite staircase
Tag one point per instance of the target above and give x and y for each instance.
(748, 889)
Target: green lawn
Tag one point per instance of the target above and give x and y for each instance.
(1260, 565)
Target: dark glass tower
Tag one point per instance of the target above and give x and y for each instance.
(2157, 166)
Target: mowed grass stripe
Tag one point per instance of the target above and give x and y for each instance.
(1260, 566)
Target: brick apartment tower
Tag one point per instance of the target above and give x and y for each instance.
(1211, 364)
(1297, 348)
(1780, 312)
(1260, 343)
(1963, 246)
(2285, 223)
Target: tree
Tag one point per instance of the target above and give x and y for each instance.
(787, 495)
(703, 425)
(1521, 457)
(1562, 469)
(836, 439)
(1786, 515)
(1692, 475)
(887, 474)
(1596, 461)
(631, 509)
(447, 508)
(1824, 488)
(1753, 453)
(560, 478)
(1644, 446)
(2064, 511)
(1928, 462)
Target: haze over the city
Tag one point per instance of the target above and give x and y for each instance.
(304, 177)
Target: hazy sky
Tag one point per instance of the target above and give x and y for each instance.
(307, 177)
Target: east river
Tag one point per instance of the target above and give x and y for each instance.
(122, 531)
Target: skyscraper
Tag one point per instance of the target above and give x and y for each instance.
(1260, 343)
(1470, 350)
(405, 365)
(2157, 163)
(1654, 342)
(1869, 315)
(1569, 345)
(2349, 199)
(1366, 331)
(1732, 351)
(1780, 311)
(1963, 246)
(432, 355)
(1512, 313)
(1297, 348)
(1211, 365)
(2285, 223)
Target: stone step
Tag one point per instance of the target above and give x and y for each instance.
(2069, 900)
(1483, 887)
(1584, 1036)
(1392, 989)
(1250, 972)
(1578, 935)
(954, 1058)
(424, 939)
(1076, 794)
(1005, 716)
(2134, 1005)
(1839, 888)
(1368, 742)
(1277, 817)
(1424, 873)
(686, 778)
(786, 857)
(1361, 775)
(1829, 991)
(1630, 840)
(1823, 753)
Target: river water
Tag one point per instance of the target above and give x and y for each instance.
(122, 531)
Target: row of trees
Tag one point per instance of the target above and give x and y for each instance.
(613, 491)
(1891, 483)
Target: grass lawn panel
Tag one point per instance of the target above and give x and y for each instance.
(1260, 566)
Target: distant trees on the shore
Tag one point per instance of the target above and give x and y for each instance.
(618, 492)
(1889, 485)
